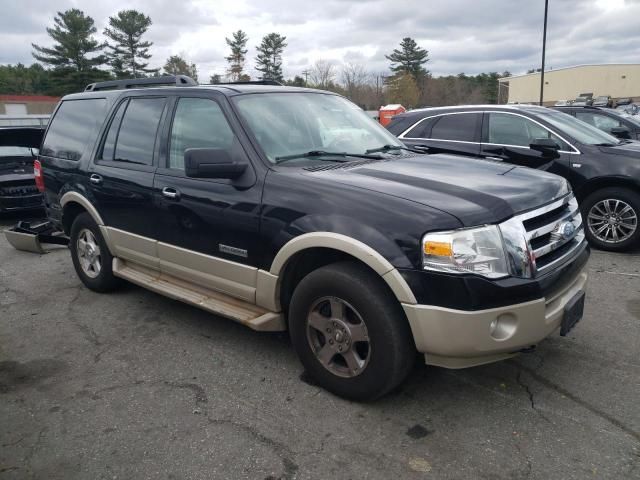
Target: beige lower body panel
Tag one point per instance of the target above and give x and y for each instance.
(215, 302)
(458, 339)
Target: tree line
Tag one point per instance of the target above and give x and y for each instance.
(76, 58)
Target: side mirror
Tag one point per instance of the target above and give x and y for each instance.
(621, 132)
(546, 146)
(211, 163)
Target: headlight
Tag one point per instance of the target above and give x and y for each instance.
(473, 250)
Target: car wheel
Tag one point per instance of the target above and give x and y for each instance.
(611, 216)
(90, 255)
(350, 332)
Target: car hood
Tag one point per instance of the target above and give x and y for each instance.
(474, 191)
(630, 149)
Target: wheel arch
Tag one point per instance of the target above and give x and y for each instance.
(73, 204)
(606, 182)
(307, 252)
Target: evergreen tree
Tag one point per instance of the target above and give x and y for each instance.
(269, 59)
(177, 65)
(215, 79)
(410, 59)
(70, 54)
(128, 51)
(237, 58)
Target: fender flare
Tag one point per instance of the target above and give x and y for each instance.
(350, 246)
(75, 197)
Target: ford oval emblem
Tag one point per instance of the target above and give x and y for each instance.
(566, 230)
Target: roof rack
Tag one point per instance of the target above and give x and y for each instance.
(167, 80)
(252, 82)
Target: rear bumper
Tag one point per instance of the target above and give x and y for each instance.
(14, 203)
(460, 338)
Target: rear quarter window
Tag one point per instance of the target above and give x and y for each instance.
(74, 128)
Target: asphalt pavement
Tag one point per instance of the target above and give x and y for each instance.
(133, 385)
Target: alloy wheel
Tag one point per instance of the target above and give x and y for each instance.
(612, 220)
(338, 337)
(89, 253)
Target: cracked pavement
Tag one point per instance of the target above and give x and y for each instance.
(135, 385)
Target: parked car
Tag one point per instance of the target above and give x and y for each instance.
(18, 190)
(603, 101)
(623, 101)
(562, 103)
(227, 198)
(582, 101)
(603, 171)
(617, 123)
(629, 108)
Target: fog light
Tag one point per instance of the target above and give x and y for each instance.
(504, 326)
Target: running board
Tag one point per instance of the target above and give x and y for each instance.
(218, 303)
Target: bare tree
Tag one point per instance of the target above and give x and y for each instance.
(322, 74)
(353, 77)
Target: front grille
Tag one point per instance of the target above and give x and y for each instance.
(18, 190)
(554, 232)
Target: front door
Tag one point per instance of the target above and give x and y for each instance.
(507, 136)
(208, 228)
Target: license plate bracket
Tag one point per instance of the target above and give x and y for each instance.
(573, 312)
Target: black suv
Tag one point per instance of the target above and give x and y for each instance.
(603, 170)
(615, 122)
(287, 208)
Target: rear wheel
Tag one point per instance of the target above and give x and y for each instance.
(350, 332)
(611, 218)
(90, 255)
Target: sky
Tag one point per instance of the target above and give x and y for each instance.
(469, 36)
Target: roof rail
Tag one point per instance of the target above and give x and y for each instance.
(167, 80)
(252, 82)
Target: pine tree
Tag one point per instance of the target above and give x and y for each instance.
(128, 51)
(409, 59)
(215, 79)
(177, 65)
(269, 59)
(237, 58)
(74, 68)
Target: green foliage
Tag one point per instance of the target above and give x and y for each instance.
(237, 58)
(73, 68)
(73, 36)
(403, 89)
(269, 59)
(128, 52)
(215, 79)
(176, 65)
(297, 81)
(410, 59)
(21, 80)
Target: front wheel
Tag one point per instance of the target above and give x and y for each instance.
(350, 332)
(611, 218)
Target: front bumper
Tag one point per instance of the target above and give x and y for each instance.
(464, 338)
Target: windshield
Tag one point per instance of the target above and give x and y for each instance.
(287, 124)
(581, 131)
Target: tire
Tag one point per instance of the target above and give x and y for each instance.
(85, 231)
(622, 202)
(374, 359)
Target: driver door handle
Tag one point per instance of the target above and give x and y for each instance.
(170, 193)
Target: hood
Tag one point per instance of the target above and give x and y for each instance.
(629, 149)
(474, 191)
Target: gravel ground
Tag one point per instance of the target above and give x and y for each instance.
(134, 385)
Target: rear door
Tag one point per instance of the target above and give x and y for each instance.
(506, 137)
(121, 177)
(456, 132)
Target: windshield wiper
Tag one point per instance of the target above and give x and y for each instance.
(322, 153)
(606, 144)
(387, 148)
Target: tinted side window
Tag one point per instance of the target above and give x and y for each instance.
(109, 147)
(421, 130)
(198, 123)
(507, 129)
(602, 122)
(137, 134)
(74, 128)
(461, 127)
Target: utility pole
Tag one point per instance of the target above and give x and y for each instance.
(544, 47)
(306, 76)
